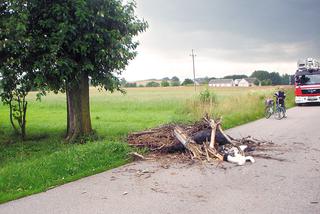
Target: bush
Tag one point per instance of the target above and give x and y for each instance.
(187, 82)
(266, 82)
(165, 83)
(207, 96)
(131, 85)
(152, 84)
(175, 83)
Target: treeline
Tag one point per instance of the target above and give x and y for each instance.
(273, 78)
(164, 82)
(263, 78)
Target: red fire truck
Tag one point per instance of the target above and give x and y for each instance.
(307, 82)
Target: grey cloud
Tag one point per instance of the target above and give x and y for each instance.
(243, 30)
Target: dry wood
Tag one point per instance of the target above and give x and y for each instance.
(214, 126)
(142, 133)
(172, 138)
(197, 151)
(137, 156)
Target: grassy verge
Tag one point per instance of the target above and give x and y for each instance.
(44, 161)
(39, 174)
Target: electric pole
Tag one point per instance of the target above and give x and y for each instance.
(194, 70)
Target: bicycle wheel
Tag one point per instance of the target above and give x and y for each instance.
(282, 111)
(279, 113)
(268, 112)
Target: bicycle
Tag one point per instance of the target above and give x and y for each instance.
(271, 109)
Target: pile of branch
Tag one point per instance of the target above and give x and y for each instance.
(162, 139)
(229, 151)
(197, 140)
(157, 140)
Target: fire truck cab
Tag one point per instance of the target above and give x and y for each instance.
(307, 82)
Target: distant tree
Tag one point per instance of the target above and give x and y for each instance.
(187, 82)
(175, 79)
(275, 78)
(131, 85)
(166, 78)
(165, 83)
(152, 84)
(261, 75)
(266, 82)
(236, 76)
(206, 80)
(285, 79)
(256, 82)
(175, 83)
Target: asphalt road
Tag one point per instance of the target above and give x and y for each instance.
(267, 186)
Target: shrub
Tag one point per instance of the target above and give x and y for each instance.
(175, 83)
(131, 85)
(187, 82)
(207, 96)
(165, 83)
(152, 84)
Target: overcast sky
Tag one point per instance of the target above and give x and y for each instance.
(228, 36)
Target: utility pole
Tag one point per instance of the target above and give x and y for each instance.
(194, 70)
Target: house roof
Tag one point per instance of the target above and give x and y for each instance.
(201, 80)
(250, 80)
(221, 81)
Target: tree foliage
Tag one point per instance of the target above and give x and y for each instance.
(91, 37)
(273, 78)
(131, 85)
(187, 82)
(17, 75)
(236, 76)
(58, 45)
(152, 84)
(165, 83)
(175, 81)
(261, 75)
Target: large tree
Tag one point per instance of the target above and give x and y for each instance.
(72, 40)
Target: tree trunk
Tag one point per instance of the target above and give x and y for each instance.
(78, 110)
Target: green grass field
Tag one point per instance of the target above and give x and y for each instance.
(44, 160)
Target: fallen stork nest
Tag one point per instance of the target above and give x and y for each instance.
(197, 141)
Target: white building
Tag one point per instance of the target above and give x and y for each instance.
(236, 82)
(221, 83)
(247, 82)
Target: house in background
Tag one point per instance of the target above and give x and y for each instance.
(202, 81)
(145, 82)
(236, 82)
(247, 82)
(221, 83)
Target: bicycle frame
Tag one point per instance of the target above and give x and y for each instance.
(275, 109)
